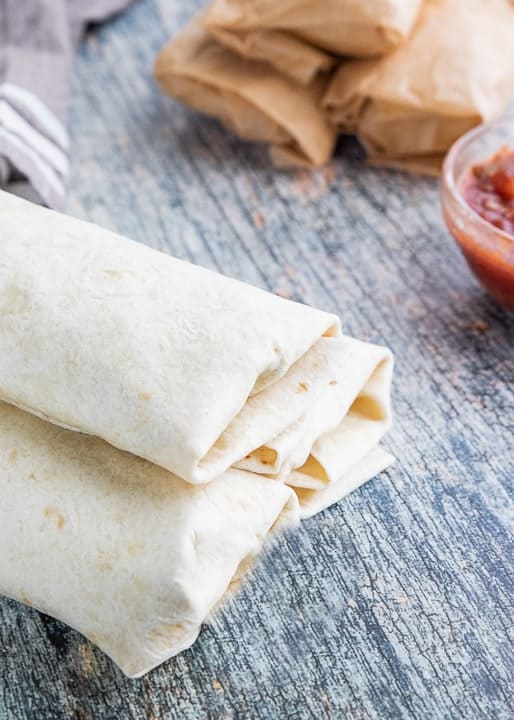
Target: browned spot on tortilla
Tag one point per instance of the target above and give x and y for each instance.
(138, 582)
(333, 382)
(168, 634)
(115, 274)
(52, 513)
(13, 455)
(303, 387)
(145, 396)
(13, 299)
(265, 455)
(106, 560)
(134, 548)
(32, 476)
(104, 566)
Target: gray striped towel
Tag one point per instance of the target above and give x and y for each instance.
(37, 43)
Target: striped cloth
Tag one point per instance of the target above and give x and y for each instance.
(37, 42)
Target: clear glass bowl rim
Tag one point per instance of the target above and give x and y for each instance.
(450, 181)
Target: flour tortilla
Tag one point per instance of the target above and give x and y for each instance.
(178, 365)
(128, 554)
(314, 501)
(347, 421)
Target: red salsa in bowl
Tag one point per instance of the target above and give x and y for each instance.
(478, 204)
(488, 188)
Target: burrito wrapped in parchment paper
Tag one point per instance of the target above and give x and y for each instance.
(292, 34)
(455, 71)
(157, 420)
(248, 97)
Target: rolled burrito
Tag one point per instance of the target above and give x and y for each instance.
(184, 367)
(130, 555)
(451, 74)
(250, 98)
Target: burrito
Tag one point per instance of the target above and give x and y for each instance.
(453, 73)
(176, 364)
(158, 422)
(250, 98)
(299, 37)
(128, 554)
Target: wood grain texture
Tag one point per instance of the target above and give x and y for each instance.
(398, 602)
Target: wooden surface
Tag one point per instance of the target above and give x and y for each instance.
(397, 603)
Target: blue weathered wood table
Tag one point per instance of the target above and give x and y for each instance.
(398, 602)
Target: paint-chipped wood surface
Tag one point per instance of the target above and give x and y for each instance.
(397, 603)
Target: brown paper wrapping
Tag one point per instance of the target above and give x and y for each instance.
(455, 71)
(250, 98)
(291, 34)
(292, 56)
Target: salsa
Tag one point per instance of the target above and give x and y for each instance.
(488, 188)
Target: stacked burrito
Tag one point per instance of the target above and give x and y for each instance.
(158, 422)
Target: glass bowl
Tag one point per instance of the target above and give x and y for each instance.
(488, 250)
